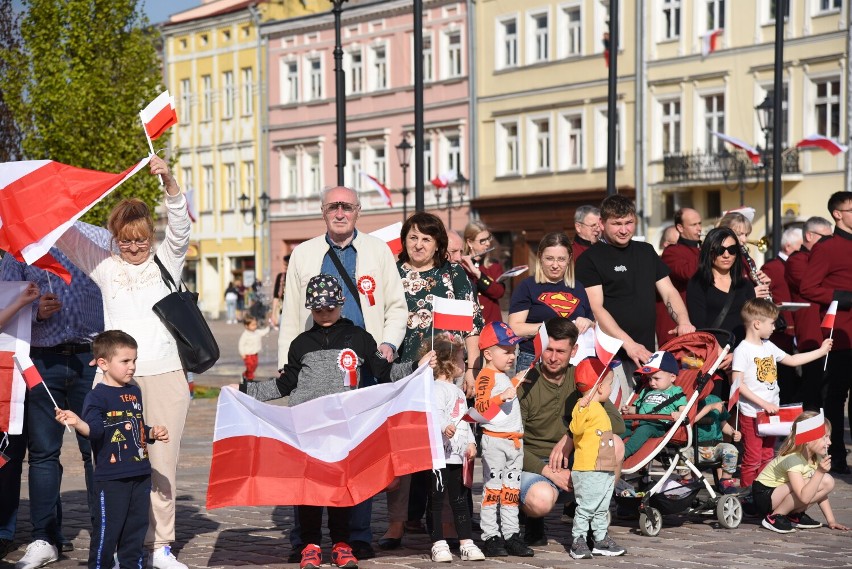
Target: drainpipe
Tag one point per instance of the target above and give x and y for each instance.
(639, 153)
(473, 127)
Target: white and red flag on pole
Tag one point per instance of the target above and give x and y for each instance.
(445, 179)
(31, 375)
(451, 314)
(734, 395)
(159, 115)
(810, 429)
(606, 346)
(753, 153)
(336, 450)
(540, 343)
(710, 42)
(392, 235)
(830, 314)
(14, 339)
(819, 141)
(379, 187)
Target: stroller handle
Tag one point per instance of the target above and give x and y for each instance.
(720, 332)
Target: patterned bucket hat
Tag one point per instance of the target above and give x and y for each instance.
(323, 291)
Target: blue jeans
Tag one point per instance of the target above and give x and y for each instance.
(523, 361)
(231, 310)
(69, 379)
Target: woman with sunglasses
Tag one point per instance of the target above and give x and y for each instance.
(483, 270)
(131, 284)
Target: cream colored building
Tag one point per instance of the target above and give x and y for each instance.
(215, 67)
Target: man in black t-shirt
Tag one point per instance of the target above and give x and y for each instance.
(621, 277)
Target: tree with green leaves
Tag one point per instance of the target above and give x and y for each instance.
(76, 84)
(10, 134)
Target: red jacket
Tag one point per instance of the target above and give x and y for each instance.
(490, 295)
(829, 272)
(776, 270)
(808, 333)
(682, 260)
(578, 246)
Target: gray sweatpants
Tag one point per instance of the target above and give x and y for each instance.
(593, 491)
(501, 471)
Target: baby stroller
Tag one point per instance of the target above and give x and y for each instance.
(699, 355)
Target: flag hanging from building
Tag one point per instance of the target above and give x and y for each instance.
(819, 141)
(159, 115)
(392, 235)
(710, 42)
(450, 314)
(753, 153)
(379, 187)
(444, 180)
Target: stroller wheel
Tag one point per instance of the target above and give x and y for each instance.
(650, 522)
(729, 511)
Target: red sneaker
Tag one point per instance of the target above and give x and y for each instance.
(311, 557)
(341, 555)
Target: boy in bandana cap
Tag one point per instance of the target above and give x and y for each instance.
(327, 359)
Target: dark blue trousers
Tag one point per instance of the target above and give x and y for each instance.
(121, 521)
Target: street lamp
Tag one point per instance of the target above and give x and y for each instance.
(403, 153)
(250, 215)
(734, 168)
(764, 117)
(460, 186)
(339, 91)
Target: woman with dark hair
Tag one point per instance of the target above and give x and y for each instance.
(553, 291)
(483, 270)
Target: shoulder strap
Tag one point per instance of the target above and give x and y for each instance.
(345, 276)
(728, 302)
(167, 278)
(665, 403)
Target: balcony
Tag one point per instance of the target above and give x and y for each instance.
(705, 167)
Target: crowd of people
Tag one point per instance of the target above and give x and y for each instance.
(552, 436)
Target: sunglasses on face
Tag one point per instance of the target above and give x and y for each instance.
(731, 249)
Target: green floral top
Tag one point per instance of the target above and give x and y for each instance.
(447, 281)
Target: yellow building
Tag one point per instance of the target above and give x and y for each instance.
(541, 108)
(215, 66)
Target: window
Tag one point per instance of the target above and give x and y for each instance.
(353, 163)
(316, 79)
(248, 169)
(209, 189)
(571, 142)
(671, 19)
(428, 60)
(539, 145)
(507, 49)
(454, 153)
(231, 181)
(187, 179)
(229, 94)
(248, 91)
(508, 151)
(827, 105)
(207, 109)
(670, 114)
(289, 175)
(540, 38)
(454, 54)
(714, 121)
(784, 116)
(573, 35)
(715, 15)
(380, 164)
(314, 175)
(290, 89)
(185, 101)
(380, 68)
(427, 160)
(772, 8)
(830, 5)
(601, 142)
(356, 73)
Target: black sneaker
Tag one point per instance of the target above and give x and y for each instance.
(534, 532)
(777, 523)
(803, 520)
(516, 546)
(295, 555)
(608, 548)
(840, 467)
(579, 549)
(362, 549)
(495, 547)
(7, 546)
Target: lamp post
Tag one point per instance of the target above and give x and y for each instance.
(764, 117)
(734, 168)
(460, 185)
(403, 154)
(250, 215)
(339, 92)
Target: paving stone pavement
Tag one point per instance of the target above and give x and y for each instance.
(257, 537)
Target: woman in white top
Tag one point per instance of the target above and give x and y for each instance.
(131, 284)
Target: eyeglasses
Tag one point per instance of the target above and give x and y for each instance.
(486, 240)
(140, 243)
(731, 249)
(555, 260)
(844, 210)
(345, 206)
(589, 225)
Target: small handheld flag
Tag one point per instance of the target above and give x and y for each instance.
(33, 378)
(828, 322)
(392, 236)
(159, 115)
(540, 342)
(450, 314)
(734, 396)
(606, 346)
(810, 429)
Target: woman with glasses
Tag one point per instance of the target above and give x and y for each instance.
(131, 283)
(483, 270)
(552, 291)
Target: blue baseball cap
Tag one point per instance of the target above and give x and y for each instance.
(497, 334)
(660, 361)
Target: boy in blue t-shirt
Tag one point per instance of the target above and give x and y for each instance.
(113, 422)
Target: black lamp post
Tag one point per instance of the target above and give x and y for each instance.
(734, 168)
(403, 153)
(339, 92)
(460, 186)
(251, 215)
(764, 117)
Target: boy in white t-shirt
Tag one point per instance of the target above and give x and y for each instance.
(755, 364)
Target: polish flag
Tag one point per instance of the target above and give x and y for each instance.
(392, 236)
(779, 424)
(450, 314)
(606, 346)
(734, 395)
(28, 370)
(159, 115)
(818, 141)
(14, 338)
(379, 187)
(190, 205)
(710, 42)
(474, 416)
(752, 152)
(810, 429)
(41, 199)
(828, 319)
(336, 450)
(540, 343)
(445, 179)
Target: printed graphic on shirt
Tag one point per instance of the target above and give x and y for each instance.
(766, 371)
(128, 435)
(562, 303)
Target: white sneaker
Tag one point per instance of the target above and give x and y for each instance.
(469, 552)
(441, 552)
(39, 553)
(162, 558)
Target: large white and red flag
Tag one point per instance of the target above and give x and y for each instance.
(336, 450)
(819, 141)
(710, 42)
(392, 235)
(830, 315)
(14, 339)
(159, 115)
(451, 314)
(380, 188)
(753, 153)
(606, 346)
(41, 199)
(811, 429)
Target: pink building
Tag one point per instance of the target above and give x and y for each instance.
(378, 60)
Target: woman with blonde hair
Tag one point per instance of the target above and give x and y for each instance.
(483, 270)
(131, 283)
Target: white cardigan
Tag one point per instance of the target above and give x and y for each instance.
(130, 291)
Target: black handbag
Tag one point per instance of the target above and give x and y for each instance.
(179, 313)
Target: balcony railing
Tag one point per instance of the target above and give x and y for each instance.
(704, 167)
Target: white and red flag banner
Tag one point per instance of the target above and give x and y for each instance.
(445, 179)
(606, 346)
(830, 315)
(392, 235)
(734, 394)
(810, 429)
(336, 450)
(379, 187)
(159, 115)
(14, 339)
(41, 199)
(451, 314)
(710, 42)
(540, 343)
(819, 141)
(753, 153)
